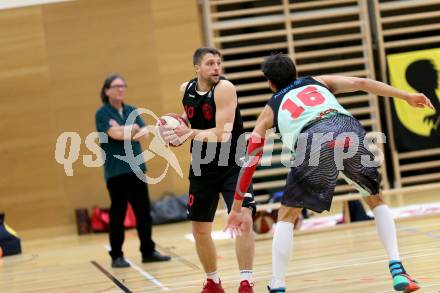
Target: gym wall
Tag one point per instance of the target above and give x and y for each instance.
(54, 59)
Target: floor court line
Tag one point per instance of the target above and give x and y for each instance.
(143, 273)
(111, 277)
(401, 227)
(147, 275)
(265, 274)
(365, 260)
(423, 287)
(180, 258)
(259, 275)
(431, 234)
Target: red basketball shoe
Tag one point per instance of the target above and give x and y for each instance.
(212, 287)
(245, 287)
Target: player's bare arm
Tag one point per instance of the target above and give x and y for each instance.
(226, 103)
(264, 122)
(235, 222)
(256, 143)
(343, 84)
(182, 92)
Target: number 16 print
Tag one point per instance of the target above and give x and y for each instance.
(308, 96)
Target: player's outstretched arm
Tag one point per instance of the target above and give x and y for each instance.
(343, 84)
(254, 151)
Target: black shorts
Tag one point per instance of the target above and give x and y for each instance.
(312, 183)
(204, 194)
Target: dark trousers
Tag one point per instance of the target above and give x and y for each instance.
(123, 189)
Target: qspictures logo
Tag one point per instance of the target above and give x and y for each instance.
(207, 149)
(68, 146)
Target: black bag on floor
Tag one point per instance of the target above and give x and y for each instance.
(169, 209)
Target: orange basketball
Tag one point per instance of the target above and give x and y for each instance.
(263, 222)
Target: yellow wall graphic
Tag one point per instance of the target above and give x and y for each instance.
(417, 71)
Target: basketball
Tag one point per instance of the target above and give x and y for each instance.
(263, 222)
(170, 119)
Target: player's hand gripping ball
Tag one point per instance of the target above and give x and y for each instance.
(173, 121)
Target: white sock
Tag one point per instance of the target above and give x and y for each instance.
(281, 252)
(387, 230)
(213, 276)
(245, 275)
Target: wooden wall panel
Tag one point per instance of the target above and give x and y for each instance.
(176, 38)
(87, 40)
(29, 185)
(53, 60)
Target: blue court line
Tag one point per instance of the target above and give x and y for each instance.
(432, 234)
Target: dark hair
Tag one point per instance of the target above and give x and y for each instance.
(279, 69)
(107, 83)
(200, 52)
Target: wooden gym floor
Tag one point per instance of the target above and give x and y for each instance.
(348, 259)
